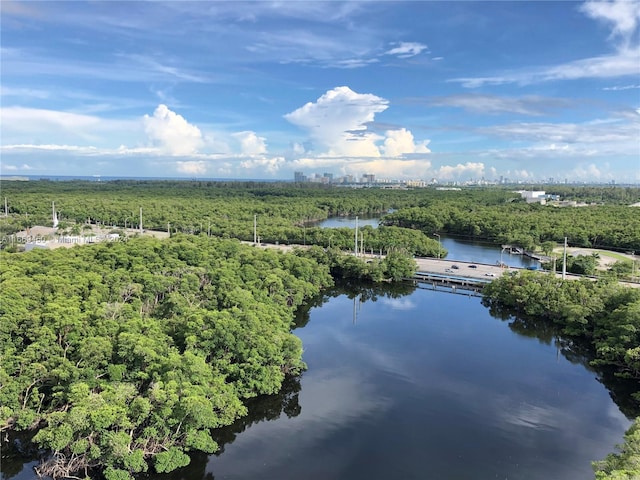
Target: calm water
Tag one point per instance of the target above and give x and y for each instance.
(417, 385)
(463, 251)
(348, 222)
(428, 385)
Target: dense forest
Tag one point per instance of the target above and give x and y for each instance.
(613, 227)
(123, 356)
(285, 212)
(126, 353)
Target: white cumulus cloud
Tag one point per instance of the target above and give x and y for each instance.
(461, 171)
(263, 164)
(623, 15)
(399, 142)
(193, 167)
(250, 143)
(337, 122)
(589, 173)
(337, 126)
(172, 133)
(523, 174)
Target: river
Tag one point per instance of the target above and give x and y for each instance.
(411, 383)
(461, 250)
(427, 385)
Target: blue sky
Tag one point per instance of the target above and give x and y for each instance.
(403, 90)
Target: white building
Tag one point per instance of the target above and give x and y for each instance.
(533, 196)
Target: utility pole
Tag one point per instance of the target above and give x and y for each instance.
(255, 229)
(6, 210)
(439, 247)
(140, 219)
(564, 260)
(355, 250)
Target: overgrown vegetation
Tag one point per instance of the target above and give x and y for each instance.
(624, 465)
(285, 212)
(125, 355)
(613, 227)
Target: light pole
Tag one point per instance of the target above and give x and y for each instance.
(355, 249)
(439, 244)
(125, 222)
(501, 252)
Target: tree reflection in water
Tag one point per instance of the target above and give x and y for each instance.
(579, 351)
(261, 409)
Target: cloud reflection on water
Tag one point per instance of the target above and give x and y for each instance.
(402, 304)
(445, 385)
(332, 400)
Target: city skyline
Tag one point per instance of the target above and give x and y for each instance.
(451, 91)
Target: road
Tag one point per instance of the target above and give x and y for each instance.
(446, 267)
(464, 269)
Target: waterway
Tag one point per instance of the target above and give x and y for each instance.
(348, 222)
(427, 385)
(409, 383)
(457, 249)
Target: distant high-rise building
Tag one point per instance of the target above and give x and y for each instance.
(299, 177)
(368, 178)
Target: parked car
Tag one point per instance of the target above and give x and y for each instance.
(489, 274)
(473, 266)
(455, 267)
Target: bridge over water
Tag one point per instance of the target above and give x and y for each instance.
(476, 272)
(454, 272)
